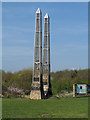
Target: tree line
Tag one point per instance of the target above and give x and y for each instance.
(19, 83)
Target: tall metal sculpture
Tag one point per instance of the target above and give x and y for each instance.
(46, 58)
(41, 86)
(36, 90)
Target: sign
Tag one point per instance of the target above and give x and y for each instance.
(81, 89)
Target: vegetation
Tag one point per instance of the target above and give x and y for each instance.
(20, 80)
(60, 80)
(56, 107)
(67, 107)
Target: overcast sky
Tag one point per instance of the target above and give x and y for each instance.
(69, 34)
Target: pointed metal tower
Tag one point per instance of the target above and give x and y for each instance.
(46, 58)
(36, 91)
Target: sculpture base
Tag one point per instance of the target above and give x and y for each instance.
(35, 94)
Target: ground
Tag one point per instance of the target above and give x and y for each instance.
(54, 107)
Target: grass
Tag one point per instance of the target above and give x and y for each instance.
(67, 107)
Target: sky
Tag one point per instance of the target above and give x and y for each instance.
(45, 0)
(0, 35)
(68, 34)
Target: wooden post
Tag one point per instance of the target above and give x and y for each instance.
(86, 89)
(74, 90)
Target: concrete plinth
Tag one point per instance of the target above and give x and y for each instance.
(35, 94)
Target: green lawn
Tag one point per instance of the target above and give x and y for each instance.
(51, 108)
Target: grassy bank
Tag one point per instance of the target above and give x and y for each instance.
(67, 107)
